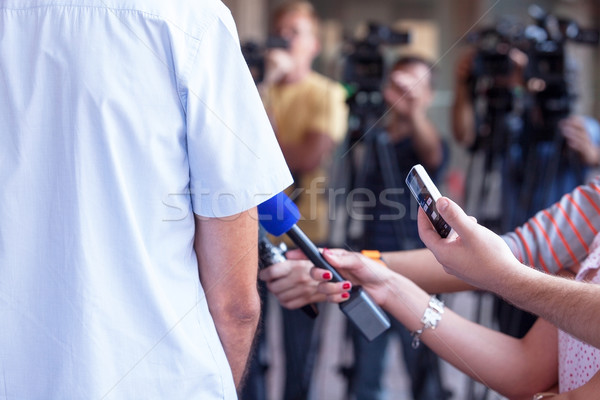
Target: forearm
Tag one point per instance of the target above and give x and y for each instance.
(505, 364)
(463, 117)
(556, 299)
(427, 142)
(228, 262)
(421, 267)
(236, 329)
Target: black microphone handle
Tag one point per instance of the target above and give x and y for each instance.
(360, 308)
(311, 251)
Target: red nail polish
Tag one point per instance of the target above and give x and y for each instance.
(327, 275)
(346, 286)
(345, 295)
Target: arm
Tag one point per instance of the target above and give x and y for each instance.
(307, 155)
(483, 259)
(291, 282)
(513, 367)
(410, 94)
(426, 140)
(579, 140)
(227, 262)
(556, 299)
(463, 114)
(421, 267)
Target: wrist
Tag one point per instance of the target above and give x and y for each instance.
(384, 285)
(430, 319)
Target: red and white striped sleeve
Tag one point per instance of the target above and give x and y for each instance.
(559, 236)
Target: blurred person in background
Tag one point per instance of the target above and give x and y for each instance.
(534, 168)
(309, 114)
(409, 138)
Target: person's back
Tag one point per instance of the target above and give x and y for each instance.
(104, 113)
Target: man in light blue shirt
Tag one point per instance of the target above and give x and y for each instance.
(130, 130)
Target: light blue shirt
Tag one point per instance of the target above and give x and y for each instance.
(118, 121)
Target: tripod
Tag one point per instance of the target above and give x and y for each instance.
(378, 153)
(378, 166)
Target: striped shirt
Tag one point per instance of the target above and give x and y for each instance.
(560, 236)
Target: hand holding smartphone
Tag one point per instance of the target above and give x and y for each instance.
(426, 193)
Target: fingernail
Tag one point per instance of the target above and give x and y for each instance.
(346, 286)
(327, 275)
(345, 295)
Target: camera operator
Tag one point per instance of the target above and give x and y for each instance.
(307, 109)
(581, 136)
(411, 138)
(535, 173)
(309, 114)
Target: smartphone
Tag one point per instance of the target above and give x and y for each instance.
(426, 193)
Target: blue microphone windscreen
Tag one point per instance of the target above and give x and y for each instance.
(278, 214)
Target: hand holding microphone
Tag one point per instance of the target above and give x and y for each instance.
(268, 255)
(279, 215)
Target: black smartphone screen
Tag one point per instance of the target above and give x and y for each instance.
(426, 195)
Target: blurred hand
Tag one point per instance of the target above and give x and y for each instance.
(575, 133)
(464, 67)
(474, 253)
(407, 93)
(278, 64)
(400, 92)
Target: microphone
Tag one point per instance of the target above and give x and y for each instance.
(269, 254)
(279, 215)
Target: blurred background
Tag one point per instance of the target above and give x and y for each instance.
(439, 30)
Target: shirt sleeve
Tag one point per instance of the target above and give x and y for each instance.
(234, 158)
(560, 236)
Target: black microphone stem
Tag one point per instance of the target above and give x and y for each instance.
(311, 251)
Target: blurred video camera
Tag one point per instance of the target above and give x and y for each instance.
(254, 54)
(364, 73)
(493, 46)
(548, 93)
(547, 75)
